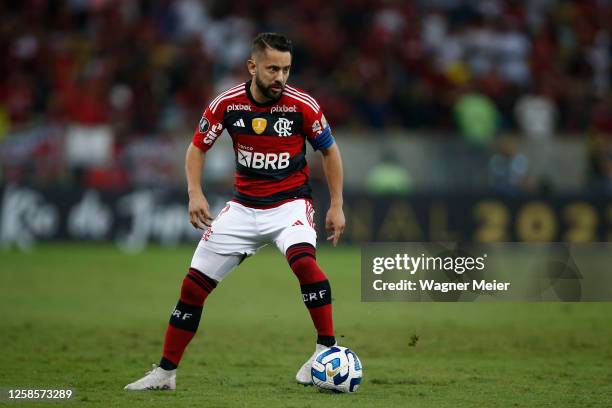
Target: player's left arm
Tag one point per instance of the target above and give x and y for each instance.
(332, 167)
(319, 135)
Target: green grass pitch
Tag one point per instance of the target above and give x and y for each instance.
(92, 318)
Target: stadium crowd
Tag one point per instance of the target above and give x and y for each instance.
(150, 65)
(146, 68)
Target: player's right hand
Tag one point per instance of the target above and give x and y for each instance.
(199, 212)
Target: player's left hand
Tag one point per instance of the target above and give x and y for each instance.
(334, 223)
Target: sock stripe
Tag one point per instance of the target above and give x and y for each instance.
(210, 281)
(299, 256)
(199, 283)
(301, 251)
(301, 246)
(203, 279)
(297, 251)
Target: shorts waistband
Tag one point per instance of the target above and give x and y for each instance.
(268, 206)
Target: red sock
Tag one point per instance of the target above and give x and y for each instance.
(316, 291)
(185, 318)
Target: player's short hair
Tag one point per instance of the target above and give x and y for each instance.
(271, 40)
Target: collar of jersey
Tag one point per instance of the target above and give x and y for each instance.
(253, 101)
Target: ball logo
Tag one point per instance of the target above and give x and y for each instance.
(331, 373)
(266, 161)
(259, 125)
(283, 127)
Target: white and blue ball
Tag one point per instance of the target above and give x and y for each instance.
(337, 369)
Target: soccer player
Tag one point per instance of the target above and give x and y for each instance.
(269, 122)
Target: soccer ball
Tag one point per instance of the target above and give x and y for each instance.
(337, 369)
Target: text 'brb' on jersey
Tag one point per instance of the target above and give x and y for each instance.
(269, 141)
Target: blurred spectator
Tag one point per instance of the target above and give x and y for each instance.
(536, 115)
(600, 164)
(388, 176)
(602, 116)
(477, 117)
(508, 168)
(5, 123)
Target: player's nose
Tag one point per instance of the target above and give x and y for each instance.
(280, 78)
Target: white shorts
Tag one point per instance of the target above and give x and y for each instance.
(239, 231)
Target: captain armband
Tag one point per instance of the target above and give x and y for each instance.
(323, 140)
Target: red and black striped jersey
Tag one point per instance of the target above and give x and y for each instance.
(269, 141)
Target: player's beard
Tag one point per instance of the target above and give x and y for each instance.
(265, 90)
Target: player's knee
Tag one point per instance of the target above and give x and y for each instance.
(196, 287)
(302, 260)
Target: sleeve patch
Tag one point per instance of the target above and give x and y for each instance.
(204, 125)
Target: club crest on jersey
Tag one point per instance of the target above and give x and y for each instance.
(283, 127)
(259, 125)
(203, 125)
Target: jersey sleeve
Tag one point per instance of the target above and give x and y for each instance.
(317, 129)
(208, 130)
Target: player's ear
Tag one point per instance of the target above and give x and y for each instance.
(251, 65)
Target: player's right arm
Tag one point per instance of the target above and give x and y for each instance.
(205, 135)
(199, 211)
